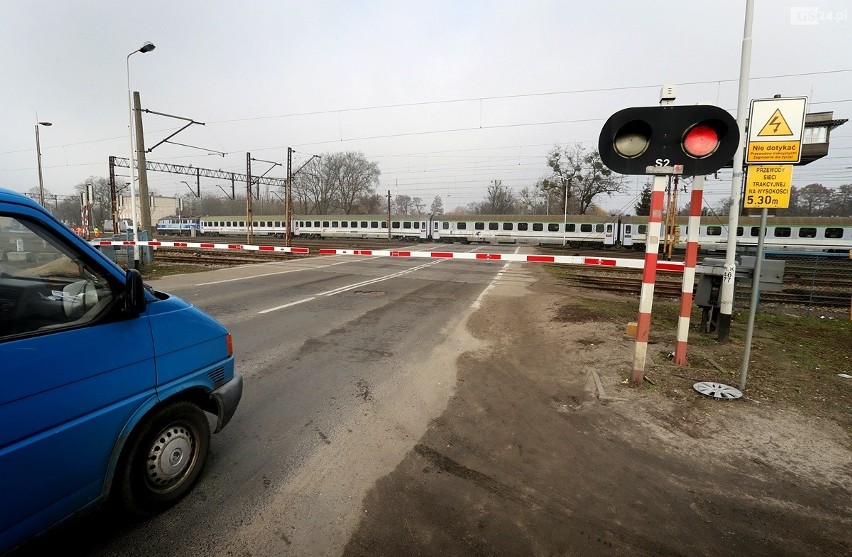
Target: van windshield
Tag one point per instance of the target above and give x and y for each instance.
(44, 284)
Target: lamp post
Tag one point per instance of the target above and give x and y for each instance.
(38, 154)
(146, 47)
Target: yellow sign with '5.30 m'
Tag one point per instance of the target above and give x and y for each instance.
(768, 186)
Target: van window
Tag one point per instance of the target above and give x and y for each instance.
(44, 285)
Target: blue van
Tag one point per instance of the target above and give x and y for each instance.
(105, 384)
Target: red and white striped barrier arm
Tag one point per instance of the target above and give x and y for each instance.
(672, 266)
(624, 263)
(201, 245)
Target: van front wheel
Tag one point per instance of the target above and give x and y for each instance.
(164, 459)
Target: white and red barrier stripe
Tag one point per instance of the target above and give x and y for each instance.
(671, 266)
(516, 257)
(201, 245)
(689, 269)
(646, 298)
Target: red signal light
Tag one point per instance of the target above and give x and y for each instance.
(700, 141)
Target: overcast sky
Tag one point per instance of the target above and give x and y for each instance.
(445, 96)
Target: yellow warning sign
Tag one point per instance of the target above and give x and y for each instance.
(776, 151)
(775, 130)
(776, 126)
(768, 186)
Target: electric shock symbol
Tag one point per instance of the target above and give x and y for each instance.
(776, 126)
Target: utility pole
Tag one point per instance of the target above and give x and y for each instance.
(288, 197)
(248, 199)
(142, 169)
(389, 215)
(726, 291)
(113, 195)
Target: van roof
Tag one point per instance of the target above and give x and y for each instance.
(9, 196)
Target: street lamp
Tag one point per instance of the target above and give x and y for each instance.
(38, 154)
(146, 47)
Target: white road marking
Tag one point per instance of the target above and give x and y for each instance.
(478, 301)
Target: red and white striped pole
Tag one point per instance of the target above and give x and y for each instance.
(689, 269)
(646, 299)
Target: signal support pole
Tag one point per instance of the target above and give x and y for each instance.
(646, 299)
(689, 269)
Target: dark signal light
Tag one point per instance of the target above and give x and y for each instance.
(694, 140)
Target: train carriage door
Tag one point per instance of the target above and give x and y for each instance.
(436, 230)
(609, 236)
(424, 230)
(627, 239)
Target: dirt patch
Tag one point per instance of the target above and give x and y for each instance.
(528, 460)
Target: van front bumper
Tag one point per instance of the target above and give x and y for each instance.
(227, 398)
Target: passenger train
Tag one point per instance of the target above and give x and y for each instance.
(782, 233)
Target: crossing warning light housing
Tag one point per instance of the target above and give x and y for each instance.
(700, 138)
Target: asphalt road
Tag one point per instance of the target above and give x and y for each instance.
(345, 360)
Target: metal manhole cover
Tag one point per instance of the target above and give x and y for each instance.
(717, 390)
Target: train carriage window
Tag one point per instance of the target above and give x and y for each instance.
(782, 232)
(364, 224)
(599, 228)
(538, 227)
(316, 224)
(374, 224)
(262, 224)
(445, 225)
(642, 229)
(479, 225)
(404, 225)
(585, 228)
(755, 231)
(493, 226)
(570, 227)
(714, 230)
(417, 225)
(523, 226)
(325, 223)
(242, 223)
(508, 226)
(833, 232)
(384, 224)
(461, 225)
(552, 227)
(628, 229)
(739, 231)
(344, 224)
(354, 224)
(807, 232)
(334, 224)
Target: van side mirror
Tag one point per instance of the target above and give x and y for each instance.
(134, 293)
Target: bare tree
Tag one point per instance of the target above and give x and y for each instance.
(579, 177)
(437, 206)
(813, 199)
(356, 178)
(499, 200)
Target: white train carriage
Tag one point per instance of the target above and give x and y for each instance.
(782, 233)
(413, 227)
(236, 226)
(180, 226)
(528, 229)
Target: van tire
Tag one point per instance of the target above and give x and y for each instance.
(163, 459)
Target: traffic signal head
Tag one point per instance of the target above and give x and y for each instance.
(690, 140)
